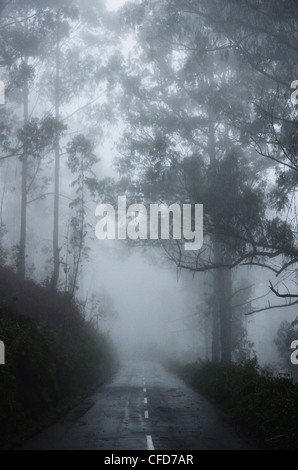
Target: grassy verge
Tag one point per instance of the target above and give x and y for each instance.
(266, 407)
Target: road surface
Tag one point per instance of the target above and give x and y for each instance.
(143, 408)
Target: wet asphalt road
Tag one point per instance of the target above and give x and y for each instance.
(143, 408)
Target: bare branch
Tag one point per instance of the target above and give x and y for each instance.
(281, 295)
(272, 307)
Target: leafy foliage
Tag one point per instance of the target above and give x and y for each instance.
(264, 406)
(52, 356)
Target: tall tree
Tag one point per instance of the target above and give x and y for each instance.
(194, 133)
(81, 160)
(24, 41)
(180, 144)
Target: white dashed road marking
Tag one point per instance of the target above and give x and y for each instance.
(150, 443)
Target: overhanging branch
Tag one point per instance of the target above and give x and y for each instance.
(281, 295)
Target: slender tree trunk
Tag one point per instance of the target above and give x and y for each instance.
(226, 328)
(66, 266)
(223, 289)
(222, 276)
(206, 340)
(56, 249)
(22, 248)
(80, 227)
(215, 348)
(80, 251)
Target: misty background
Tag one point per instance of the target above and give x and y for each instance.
(145, 303)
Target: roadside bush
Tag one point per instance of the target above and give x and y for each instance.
(266, 407)
(49, 362)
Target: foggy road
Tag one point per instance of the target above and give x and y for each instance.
(143, 408)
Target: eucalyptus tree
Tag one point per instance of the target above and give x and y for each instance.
(75, 80)
(24, 32)
(188, 95)
(81, 162)
(54, 52)
(262, 35)
(180, 145)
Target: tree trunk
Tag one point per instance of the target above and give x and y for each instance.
(222, 276)
(215, 352)
(56, 249)
(223, 290)
(226, 315)
(22, 248)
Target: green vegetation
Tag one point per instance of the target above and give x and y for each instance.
(264, 406)
(49, 364)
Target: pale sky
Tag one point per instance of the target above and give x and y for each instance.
(115, 4)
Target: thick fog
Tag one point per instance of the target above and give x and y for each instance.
(158, 303)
